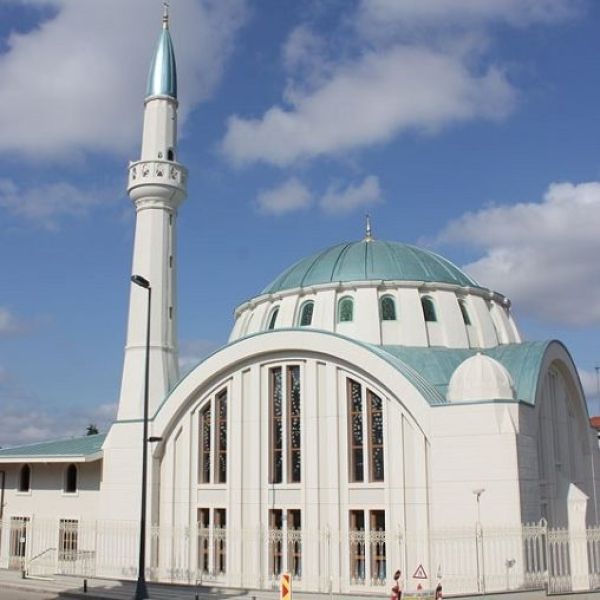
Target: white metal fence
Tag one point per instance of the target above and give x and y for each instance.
(465, 560)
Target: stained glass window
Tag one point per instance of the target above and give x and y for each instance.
(356, 431)
(375, 408)
(221, 437)
(293, 421)
(204, 474)
(388, 309)
(465, 312)
(306, 314)
(346, 310)
(428, 309)
(276, 430)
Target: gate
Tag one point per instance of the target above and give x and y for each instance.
(19, 528)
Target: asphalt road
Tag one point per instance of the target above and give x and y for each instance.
(10, 594)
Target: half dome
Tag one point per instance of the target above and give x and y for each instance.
(480, 377)
(370, 260)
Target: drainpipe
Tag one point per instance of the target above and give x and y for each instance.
(2, 486)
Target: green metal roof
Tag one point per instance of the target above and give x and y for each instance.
(436, 365)
(83, 446)
(162, 78)
(370, 260)
(429, 369)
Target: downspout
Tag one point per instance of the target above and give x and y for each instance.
(2, 486)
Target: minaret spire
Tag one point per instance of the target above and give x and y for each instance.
(368, 232)
(157, 186)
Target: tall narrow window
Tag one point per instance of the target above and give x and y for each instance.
(377, 547)
(204, 475)
(345, 309)
(428, 309)
(355, 431)
(170, 154)
(220, 540)
(375, 408)
(306, 313)
(71, 479)
(276, 541)
(273, 319)
(293, 424)
(276, 427)
(366, 460)
(465, 313)
(357, 543)
(221, 437)
(25, 479)
(68, 537)
(294, 543)
(203, 540)
(388, 309)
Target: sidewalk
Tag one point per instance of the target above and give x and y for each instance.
(65, 587)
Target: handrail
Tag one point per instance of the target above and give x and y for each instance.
(28, 563)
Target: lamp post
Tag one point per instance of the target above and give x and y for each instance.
(479, 545)
(141, 591)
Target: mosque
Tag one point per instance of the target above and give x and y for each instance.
(374, 408)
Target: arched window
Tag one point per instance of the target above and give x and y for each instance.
(170, 154)
(273, 318)
(306, 313)
(388, 309)
(71, 479)
(25, 479)
(464, 312)
(428, 309)
(345, 309)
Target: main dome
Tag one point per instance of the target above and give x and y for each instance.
(369, 260)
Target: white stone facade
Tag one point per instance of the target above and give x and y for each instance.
(335, 445)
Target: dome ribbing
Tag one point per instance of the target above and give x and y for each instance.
(370, 260)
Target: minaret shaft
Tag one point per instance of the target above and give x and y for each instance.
(157, 186)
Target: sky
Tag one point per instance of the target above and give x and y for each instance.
(470, 127)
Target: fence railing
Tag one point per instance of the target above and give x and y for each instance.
(464, 560)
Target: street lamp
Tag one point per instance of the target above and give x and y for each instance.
(141, 591)
(479, 545)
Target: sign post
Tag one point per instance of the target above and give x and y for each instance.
(285, 588)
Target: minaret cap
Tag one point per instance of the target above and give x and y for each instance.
(165, 15)
(162, 78)
(368, 232)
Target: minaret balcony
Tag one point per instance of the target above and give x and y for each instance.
(143, 173)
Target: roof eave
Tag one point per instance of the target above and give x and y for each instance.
(24, 458)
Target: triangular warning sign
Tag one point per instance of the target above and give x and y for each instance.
(420, 573)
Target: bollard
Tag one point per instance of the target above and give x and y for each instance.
(197, 597)
(85, 586)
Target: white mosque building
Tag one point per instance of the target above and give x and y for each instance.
(375, 408)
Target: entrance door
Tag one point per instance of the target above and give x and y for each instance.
(18, 542)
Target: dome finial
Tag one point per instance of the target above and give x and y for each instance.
(165, 18)
(368, 232)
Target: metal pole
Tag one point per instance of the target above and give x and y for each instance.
(141, 591)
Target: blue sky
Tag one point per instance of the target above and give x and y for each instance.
(471, 127)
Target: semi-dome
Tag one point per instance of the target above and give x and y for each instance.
(480, 377)
(369, 260)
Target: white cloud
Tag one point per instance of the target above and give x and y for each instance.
(290, 196)
(544, 255)
(193, 351)
(343, 200)
(8, 325)
(77, 82)
(45, 204)
(377, 14)
(368, 102)
(389, 67)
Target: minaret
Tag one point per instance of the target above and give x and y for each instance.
(157, 186)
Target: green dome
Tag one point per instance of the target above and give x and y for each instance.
(370, 260)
